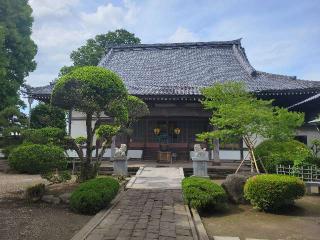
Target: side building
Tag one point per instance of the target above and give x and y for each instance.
(169, 77)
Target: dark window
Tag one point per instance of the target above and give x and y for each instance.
(302, 138)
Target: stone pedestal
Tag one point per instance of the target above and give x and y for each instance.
(120, 166)
(200, 166)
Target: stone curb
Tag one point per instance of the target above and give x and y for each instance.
(201, 231)
(95, 221)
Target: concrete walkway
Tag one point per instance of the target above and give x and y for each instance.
(151, 208)
(157, 178)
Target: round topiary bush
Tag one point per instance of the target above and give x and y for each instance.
(273, 153)
(233, 185)
(271, 192)
(202, 193)
(37, 158)
(94, 195)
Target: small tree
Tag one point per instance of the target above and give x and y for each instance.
(93, 91)
(136, 110)
(236, 113)
(44, 115)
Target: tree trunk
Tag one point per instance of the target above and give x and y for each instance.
(216, 148)
(113, 147)
(86, 168)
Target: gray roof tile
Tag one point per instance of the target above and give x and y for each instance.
(185, 68)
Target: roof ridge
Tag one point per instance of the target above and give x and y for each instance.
(182, 44)
(243, 60)
(282, 75)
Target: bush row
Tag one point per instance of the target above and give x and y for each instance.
(201, 193)
(94, 195)
(271, 192)
(37, 158)
(273, 153)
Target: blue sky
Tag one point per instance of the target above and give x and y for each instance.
(279, 36)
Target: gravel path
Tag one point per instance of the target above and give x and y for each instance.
(12, 183)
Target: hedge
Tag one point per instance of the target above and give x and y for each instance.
(273, 153)
(37, 158)
(271, 192)
(43, 135)
(94, 195)
(202, 193)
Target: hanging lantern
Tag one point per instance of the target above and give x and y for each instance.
(156, 131)
(177, 131)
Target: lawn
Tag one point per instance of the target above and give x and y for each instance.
(300, 222)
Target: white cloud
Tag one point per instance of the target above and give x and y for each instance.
(110, 16)
(44, 8)
(60, 37)
(183, 35)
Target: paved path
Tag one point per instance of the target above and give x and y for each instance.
(157, 178)
(149, 210)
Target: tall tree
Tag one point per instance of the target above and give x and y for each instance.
(91, 53)
(45, 115)
(236, 114)
(17, 50)
(93, 91)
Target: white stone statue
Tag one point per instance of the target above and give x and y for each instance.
(199, 151)
(121, 152)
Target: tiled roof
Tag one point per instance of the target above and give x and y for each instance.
(185, 68)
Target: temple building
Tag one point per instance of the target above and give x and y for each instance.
(169, 77)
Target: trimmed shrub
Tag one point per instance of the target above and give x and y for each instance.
(312, 160)
(35, 193)
(43, 135)
(271, 192)
(202, 193)
(94, 195)
(233, 185)
(273, 153)
(37, 158)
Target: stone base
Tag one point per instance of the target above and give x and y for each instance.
(200, 167)
(120, 166)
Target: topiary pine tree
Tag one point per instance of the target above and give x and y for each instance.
(93, 91)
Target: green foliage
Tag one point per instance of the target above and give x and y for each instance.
(44, 115)
(44, 135)
(37, 158)
(12, 121)
(271, 192)
(88, 89)
(315, 146)
(273, 153)
(35, 193)
(312, 160)
(237, 113)
(107, 131)
(81, 140)
(136, 109)
(94, 195)
(8, 149)
(57, 176)
(91, 53)
(17, 50)
(201, 193)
